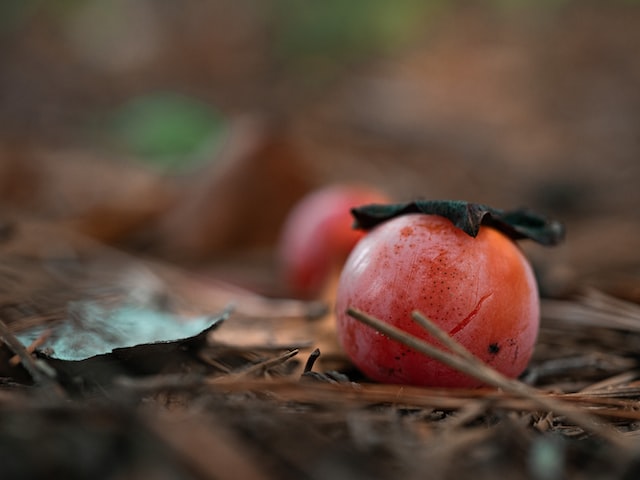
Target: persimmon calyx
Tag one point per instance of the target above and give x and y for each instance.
(517, 224)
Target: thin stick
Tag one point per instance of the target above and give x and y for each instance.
(616, 383)
(367, 393)
(38, 342)
(442, 336)
(261, 367)
(34, 369)
(474, 367)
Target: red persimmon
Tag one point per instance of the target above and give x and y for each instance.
(480, 290)
(317, 235)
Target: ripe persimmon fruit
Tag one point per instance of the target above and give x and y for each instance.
(481, 290)
(317, 235)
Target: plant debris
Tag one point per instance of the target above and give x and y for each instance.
(93, 330)
(534, 104)
(575, 410)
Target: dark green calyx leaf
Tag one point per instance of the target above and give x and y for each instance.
(467, 216)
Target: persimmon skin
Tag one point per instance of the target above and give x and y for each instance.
(480, 290)
(317, 235)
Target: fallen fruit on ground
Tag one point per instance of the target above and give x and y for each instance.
(317, 235)
(480, 289)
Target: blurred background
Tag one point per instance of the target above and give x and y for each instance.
(186, 130)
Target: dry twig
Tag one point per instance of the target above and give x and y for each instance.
(39, 371)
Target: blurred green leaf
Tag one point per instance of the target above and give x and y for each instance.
(323, 33)
(167, 129)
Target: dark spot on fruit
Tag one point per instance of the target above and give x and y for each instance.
(406, 231)
(494, 348)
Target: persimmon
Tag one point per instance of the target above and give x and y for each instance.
(317, 235)
(481, 290)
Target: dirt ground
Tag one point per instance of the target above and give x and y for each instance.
(507, 106)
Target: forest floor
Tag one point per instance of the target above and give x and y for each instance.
(507, 107)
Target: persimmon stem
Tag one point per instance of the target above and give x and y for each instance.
(464, 361)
